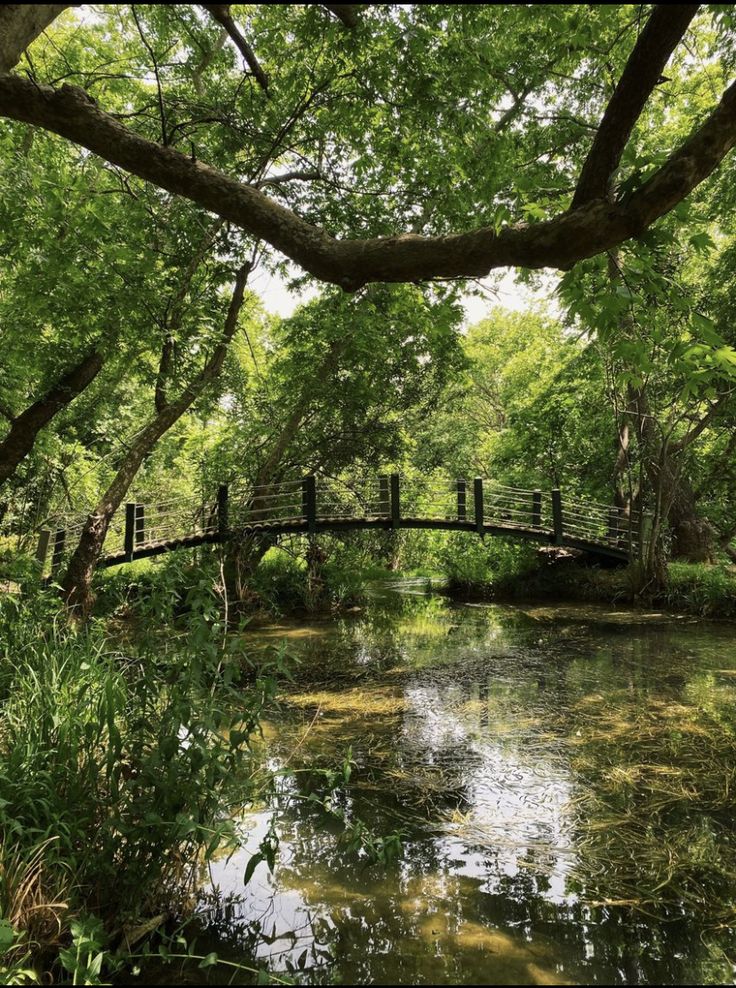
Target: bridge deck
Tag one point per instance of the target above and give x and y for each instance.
(299, 526)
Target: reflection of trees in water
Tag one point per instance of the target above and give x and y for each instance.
(550, 711)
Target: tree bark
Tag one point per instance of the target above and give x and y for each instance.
(347, 13)
(221, 13)
(24, 428)
(662, 32)
(20, 24)
(693, 539)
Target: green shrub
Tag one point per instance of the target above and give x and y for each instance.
(281, 581)
(701, 589)
(468, 562)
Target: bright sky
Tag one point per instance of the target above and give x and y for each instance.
(278, 299)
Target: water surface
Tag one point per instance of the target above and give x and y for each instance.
(560, 780)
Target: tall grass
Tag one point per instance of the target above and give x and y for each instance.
(709, 591)
(472, 564)
(117, 771)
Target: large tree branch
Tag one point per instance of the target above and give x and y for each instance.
(662, 32)
(20, 24)
(221, 13)
(699, 427)
(345, 12)
(24, 428)
(558, 242)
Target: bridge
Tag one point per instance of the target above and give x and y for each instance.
(311, 505)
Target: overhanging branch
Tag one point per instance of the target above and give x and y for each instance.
(20, 24)
(345, 12)
(558, 242)
(662, 32)
(221, 13)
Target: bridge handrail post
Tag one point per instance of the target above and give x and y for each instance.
(536, 509)
(613, 524)
(309, 502)
(223, 512)
(58, 551)
(129, 538)
(395, 501)
(478, 501)
(557, 516)
(42, 548)
(462, 501)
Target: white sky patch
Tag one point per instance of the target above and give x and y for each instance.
(501, 292)
(505, 292)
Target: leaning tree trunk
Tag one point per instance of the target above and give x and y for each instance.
(77, 582)
(24, 428)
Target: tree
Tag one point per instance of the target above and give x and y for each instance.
(328, 392)
(77, 581)
(600, 215)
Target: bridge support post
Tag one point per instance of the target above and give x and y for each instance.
(384, 496)
(478, 499)
(537, 509)
(58, 552)
(462, 501)
(223, 510)
(557, 516)
(309, 502)
(42, 549)
(130, 526)
(395, 501)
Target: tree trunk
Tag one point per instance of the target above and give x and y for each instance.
(241, 562)
(77, 582)
(692, 537)
(24, 428)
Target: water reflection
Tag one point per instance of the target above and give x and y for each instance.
(541, 766)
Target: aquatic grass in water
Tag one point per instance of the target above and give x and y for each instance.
(117, 772)
(562, 781)
(656, 810)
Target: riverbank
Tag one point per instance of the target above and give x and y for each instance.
(700, 590)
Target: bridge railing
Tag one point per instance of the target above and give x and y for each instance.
(517, 507)
(593, 521)
(368, 499)
(152, 525)
(267, 504)
(156, 523)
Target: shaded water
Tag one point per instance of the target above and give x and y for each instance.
(561, 781)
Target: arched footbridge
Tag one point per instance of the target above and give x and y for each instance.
(310, 505)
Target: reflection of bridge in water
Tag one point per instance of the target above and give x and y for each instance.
(312, 505)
